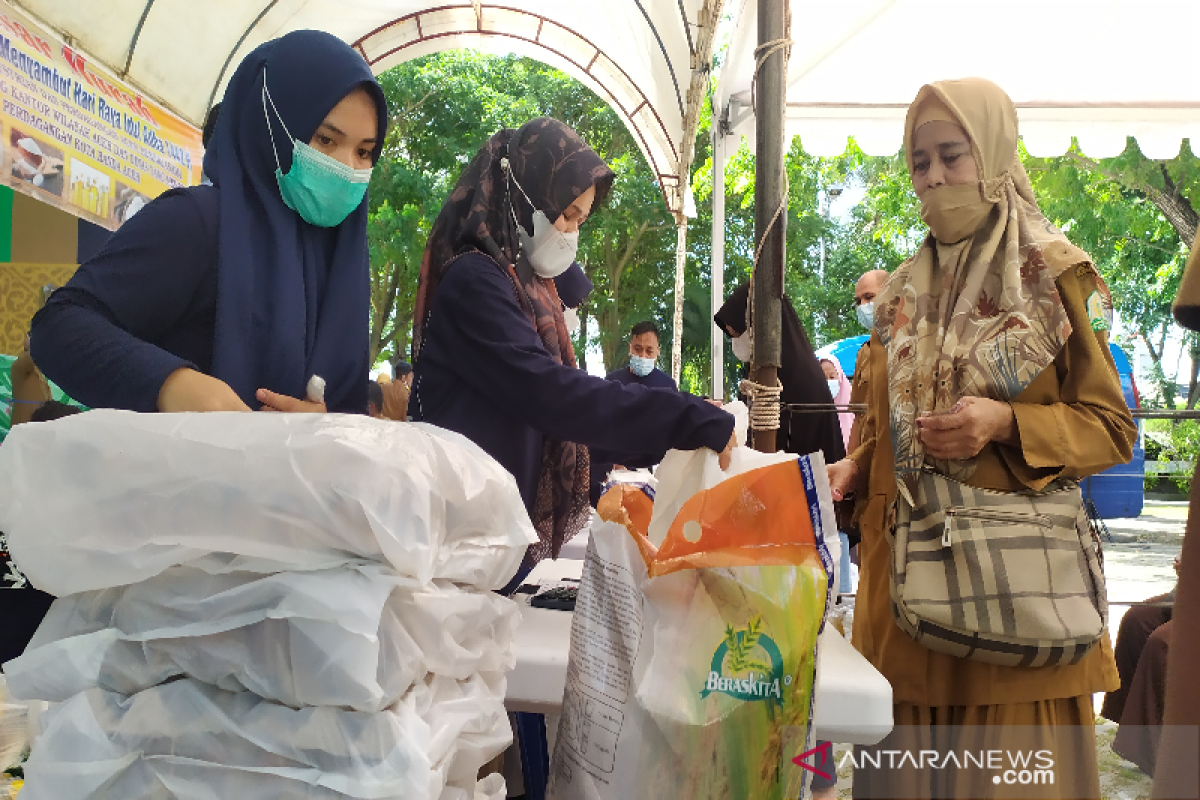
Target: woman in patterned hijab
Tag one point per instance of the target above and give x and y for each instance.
(492, 354)
(975, 315)
(989, 363)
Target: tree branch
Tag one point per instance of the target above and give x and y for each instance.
(1175, 207)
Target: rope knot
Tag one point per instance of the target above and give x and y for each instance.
(764, 404)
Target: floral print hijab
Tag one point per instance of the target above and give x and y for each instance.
(981, 317)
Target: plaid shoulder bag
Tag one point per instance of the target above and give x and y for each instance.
(1007, 578)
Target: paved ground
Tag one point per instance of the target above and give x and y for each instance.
(1138, 565)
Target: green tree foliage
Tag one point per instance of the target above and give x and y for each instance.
(1136, 218)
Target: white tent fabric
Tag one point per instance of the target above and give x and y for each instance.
(635, 54)
(1099, 70)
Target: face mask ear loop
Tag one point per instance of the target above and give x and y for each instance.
(507, 168)
(268, 99)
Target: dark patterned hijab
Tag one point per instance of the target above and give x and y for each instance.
(554, 166)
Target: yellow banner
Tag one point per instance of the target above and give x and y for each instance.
(78, 139)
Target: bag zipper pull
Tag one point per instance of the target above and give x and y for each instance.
(946, 528)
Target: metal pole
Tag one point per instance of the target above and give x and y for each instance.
(718, 260)
(677, 322)
(769, 201)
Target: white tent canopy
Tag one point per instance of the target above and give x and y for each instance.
(1099, 70)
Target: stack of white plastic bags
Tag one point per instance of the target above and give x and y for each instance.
(262, 606)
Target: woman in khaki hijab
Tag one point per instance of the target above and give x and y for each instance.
(988, 362)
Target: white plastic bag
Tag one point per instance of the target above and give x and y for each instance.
(354, 637)
(108, 498)
(682, 473)
(188, 741)
(490, 788)
(14, 729)
(467, 723)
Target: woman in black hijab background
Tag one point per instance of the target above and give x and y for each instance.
(802, 379)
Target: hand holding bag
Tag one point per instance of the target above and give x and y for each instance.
(1003, 577)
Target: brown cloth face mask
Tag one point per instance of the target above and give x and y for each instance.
(954, 212)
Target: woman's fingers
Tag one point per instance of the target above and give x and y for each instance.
(273, 401)
(967, 430)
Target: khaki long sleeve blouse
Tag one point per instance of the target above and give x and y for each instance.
(1073, 421)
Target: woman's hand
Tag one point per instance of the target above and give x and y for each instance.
(726, 456)
(843, 478)
(188, 390)
(963, 432)
(271, 401)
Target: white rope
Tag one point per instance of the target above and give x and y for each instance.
(764, 404)
(762, 53)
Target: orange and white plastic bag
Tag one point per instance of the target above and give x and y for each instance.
(693, 662)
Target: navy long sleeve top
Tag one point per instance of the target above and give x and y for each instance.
(655, 379)
(141, 308)
(483, 372)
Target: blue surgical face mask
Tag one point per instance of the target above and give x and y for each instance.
(866, 314)
(833, 387)
(321, 189)
(641, 366)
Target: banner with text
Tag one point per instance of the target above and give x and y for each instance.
(78, 139)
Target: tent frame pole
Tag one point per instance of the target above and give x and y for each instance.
(770, 206)
(680, 287)
(717, 279)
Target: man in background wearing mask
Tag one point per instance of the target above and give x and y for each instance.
(643, 355)
(868, 286)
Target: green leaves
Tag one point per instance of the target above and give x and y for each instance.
(740, 645)
(1114, 209)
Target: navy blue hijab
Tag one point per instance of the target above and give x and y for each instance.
(292, 298)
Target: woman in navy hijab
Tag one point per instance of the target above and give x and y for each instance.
(233, 296)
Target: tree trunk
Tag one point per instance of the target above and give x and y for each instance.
(611, 335)
(581, 341)
(1165, 387)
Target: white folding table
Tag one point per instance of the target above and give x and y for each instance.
(853, 701)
